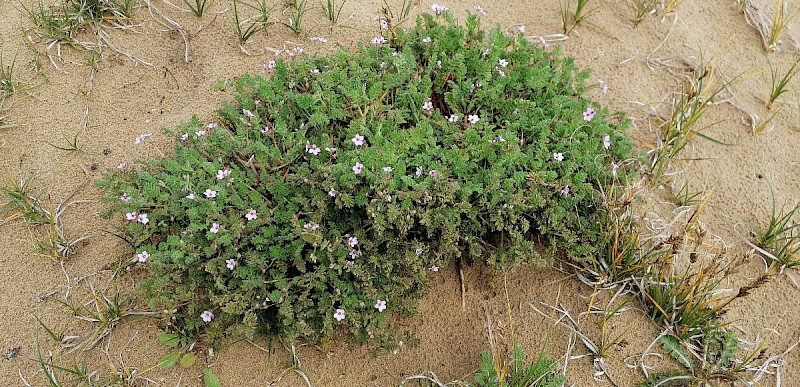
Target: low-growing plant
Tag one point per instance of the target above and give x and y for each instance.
(784, 14)
(62, 23)
(688, 108)
(322, 198)
(571, 19)
(246, 28)
(779, 242)
(333, 11)
(713, 363)
(518, 370)
(779, 85)
(643, 9)
(7, 84)
(686, 197)
(298, 11)
(197, 7)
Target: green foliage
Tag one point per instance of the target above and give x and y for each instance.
(198, 8)
(429, 188)
(779, 241)
(518, 372)
(332, 11)
(63, 21)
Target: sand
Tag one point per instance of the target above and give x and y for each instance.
(108, 107)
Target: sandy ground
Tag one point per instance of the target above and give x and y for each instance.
(123, 98)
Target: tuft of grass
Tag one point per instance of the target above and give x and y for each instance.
(779, 242)
(688, 108)
(197, 7)
(19, 203)
(298, 11)
(246, 28)
(643, 9)
(784, 14)
(685, 197)
(72, 146)
(571, 19)
(769, 28)
(104, 313)
(779, 83)
(7, 84)
(332, 11)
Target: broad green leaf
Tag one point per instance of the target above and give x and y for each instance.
(675, 349)
(169, 339)
(188, 360)
(169, 360)
(210, 379)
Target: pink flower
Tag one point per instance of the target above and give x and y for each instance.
(380, 305)
(614, 167)
(313, 149)
(211, 125)
(231, 264)
(358, 168)
(311, 227)
(426, 39)
(544, 43)
(339, 315)
(131, 216)
(358, 140)
(348, 264)
(473, 119)
(140, 138)
(558, 157)
(271, 64)
(214, 228)
(223, 173)
(479, 10)
(248, 113)
(251, 215)
(565, 191)
(210, 193)
(419, 171)
(502, 63)
(379, 40)
(605, 87)
(352, 241)
(438, 9)
(332, 193)
(418, 251)
(125, 197)
(588, 114)
(206, 316)
(265, 130)
(606, 141)
(142, 218)
(388, 169)
(143, 256)
(427, 106)
(501, 73)
(200, 133)
(384, 24)
(453, 118)
(318, 39)
(521, 28)
(433, 173)
(122, 165)
(353, 253)
(434, 268)
(190, 196)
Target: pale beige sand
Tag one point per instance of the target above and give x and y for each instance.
(124, 99)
